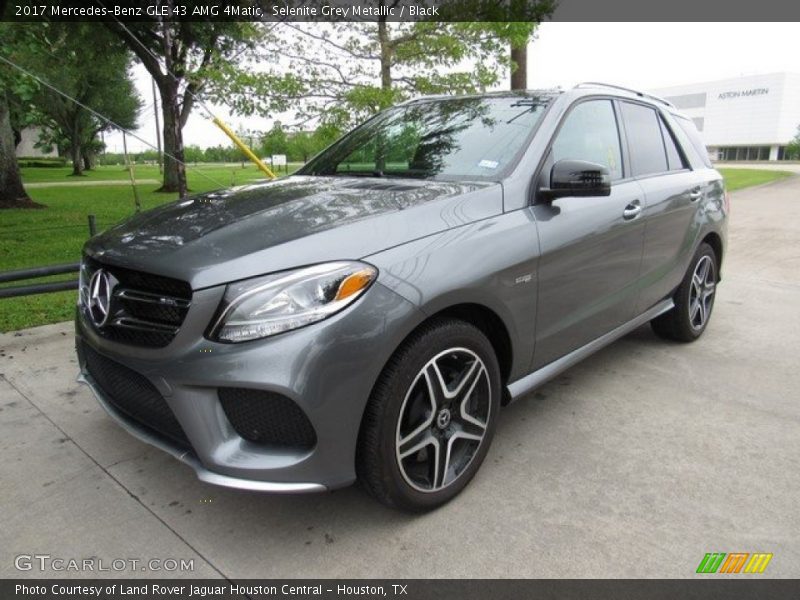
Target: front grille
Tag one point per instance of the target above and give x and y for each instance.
(145, 309)
(133, 395)
(267, 418)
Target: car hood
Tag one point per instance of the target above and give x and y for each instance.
(226, 235)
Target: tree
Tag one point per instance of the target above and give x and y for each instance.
(188, 60)
(519, 36)
(12, 191)
(344, 72)
(87, 64)
(275, 142)
(302, 146)
(793, 148)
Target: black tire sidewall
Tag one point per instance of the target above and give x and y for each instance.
(449, 334)
(683, 296)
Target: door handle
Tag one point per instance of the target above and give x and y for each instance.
(695, 194)
(632, 210)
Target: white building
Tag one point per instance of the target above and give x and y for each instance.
(747, 118)
(27, 145)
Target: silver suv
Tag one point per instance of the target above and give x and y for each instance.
(367, 318)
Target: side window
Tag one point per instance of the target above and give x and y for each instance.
(590, 133)
(644, 139)
(690, 134)
(674, 160)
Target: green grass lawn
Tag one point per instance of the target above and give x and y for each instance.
(200, 176)
(736, 179)
(30, 238)
(54, 235)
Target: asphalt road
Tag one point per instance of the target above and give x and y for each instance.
(633, 464)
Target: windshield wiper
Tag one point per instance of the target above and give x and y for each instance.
(358, 174)
(532, 105)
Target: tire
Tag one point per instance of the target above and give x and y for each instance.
(694, 299)
(402, 433)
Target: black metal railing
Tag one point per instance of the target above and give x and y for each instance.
(47, 271)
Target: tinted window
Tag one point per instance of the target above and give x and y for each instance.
(590, 133)
(454, 138)
(690, 134)
(674, 160)
(644, 139)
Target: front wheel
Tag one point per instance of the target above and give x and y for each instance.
(431, 417)
(694, 299)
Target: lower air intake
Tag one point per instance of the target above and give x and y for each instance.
(134, 396)
(267, 418)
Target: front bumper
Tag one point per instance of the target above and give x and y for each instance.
(328, 369)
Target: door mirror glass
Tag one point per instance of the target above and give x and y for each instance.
(570, 177)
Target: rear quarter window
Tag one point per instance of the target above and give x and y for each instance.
(690, 140)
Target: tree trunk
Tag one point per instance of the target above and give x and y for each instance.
(174, 168)
(519, 75)
(86, 156)
(386, 55)
(12, 193)
(77, 156)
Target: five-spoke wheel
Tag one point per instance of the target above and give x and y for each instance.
(431, 417)
(693, 299)
(701, 293)
(443, 419)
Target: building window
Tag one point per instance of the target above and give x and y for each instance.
(699, 122)
(745, 153)
(688, 100)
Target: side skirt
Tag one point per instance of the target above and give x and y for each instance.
(520, 387)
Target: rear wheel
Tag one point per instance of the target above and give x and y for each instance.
(694, 300)
(431, 417)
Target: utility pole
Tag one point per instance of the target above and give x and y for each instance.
(137, 203)
(158, 128)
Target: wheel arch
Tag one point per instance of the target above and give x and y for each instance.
(482, 317)
(490, 324)
(714, 240)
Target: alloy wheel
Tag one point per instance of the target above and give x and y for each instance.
(443, 419)
(701, 292)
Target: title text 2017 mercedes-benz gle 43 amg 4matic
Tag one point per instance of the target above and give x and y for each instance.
(366, 318)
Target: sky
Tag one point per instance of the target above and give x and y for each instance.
(644, 56)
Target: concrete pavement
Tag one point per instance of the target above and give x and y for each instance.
(633, 464)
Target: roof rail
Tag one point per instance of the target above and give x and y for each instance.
(586, 84)
(500, 93)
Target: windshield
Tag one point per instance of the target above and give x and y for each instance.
(457, 138)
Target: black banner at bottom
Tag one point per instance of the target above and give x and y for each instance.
(706, 588)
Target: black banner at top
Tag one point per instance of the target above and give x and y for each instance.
(399, 10)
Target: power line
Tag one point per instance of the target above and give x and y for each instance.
(187, 90)
(104, 118)
(156, 58)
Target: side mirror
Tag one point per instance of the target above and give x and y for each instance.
(577, 178)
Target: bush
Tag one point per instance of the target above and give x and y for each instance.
(35, 161)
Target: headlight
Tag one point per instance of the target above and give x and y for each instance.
(260, 307)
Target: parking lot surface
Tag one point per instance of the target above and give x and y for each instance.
(635, 463)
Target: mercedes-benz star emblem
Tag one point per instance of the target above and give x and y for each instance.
(100, 297)
(443, 418)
